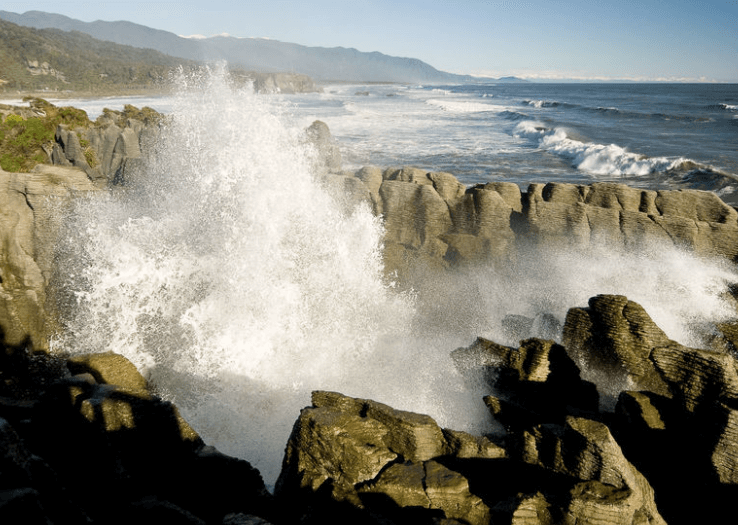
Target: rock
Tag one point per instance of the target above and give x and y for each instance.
(108, 368)
(611, 490)
(30, 214)
(244, 519)
(117, 139)
(414, 218)
(537, 382)
(371, 176)
(147, 463)
(432, 486)
(697, 377)
(494, 222)
(641, 411)
(328, 159)
(558, 213)
(367, 455)
(359, 459)
(612, 341)
(29, 490)
(286, 83)
(532, 510)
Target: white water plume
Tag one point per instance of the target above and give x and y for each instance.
(228, 275)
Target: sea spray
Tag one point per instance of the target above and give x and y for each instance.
(234, 281)
(232, 278)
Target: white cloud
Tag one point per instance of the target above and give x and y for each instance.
(551, 76)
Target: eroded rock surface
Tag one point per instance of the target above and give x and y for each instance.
(83, 449)
(433, 221)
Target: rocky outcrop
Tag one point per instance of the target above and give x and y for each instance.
(327, 153)
(285, 83)
(361, 461)
(30, 211)
(79, 449)
(614, 337)
(433, 221)
(674, 423)
(115, 144)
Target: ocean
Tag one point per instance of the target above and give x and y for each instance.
(657, 136)
(237, 284)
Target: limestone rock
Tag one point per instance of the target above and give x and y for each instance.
(697, 377)
(286, 83)
(612, 490)
(612, 339)
(366, 454)
(495, 221)
(724, 457)
(30, 205)
(532, 510)
(560, 213)
(328, 158)
(371, 177)
(641, 410)
(537, 382)
(108, 368)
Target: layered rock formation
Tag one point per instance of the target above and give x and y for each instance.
(33, 204)
(666, 453)
(433, 220)
(85, 441)
(30, 210)
(618, 424)
(115, 144)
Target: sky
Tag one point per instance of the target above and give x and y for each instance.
(648, 40)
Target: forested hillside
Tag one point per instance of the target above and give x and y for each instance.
(53, 60)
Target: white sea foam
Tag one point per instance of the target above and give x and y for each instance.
(597, 159)
(230, 276)
(541, 103)
(462, 106)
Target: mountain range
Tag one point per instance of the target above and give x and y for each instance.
(257, 54)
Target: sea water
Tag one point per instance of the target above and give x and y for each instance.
(238, 284)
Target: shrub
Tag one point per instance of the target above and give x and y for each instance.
(13, 119)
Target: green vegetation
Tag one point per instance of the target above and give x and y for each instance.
(50, 60)
(145, 115)
(25, 142)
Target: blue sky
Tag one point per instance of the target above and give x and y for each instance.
(618, 39)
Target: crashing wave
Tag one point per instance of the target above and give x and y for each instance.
(601, 159)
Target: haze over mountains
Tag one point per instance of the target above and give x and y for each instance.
(326, 64)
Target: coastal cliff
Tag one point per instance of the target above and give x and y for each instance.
(614, 424)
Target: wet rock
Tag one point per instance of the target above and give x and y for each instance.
(697, 377)
(612, 340)
(361, 460)
(30, 205)
(493, 222)
(108, 368)
(328, 154)
(92, 452)
(611, 490)
(537, 382)
(377, 461)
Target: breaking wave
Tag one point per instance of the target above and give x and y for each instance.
(600, 159)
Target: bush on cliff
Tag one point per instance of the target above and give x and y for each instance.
(26, 142)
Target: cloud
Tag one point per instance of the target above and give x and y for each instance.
(552, 76)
